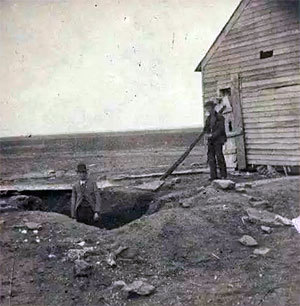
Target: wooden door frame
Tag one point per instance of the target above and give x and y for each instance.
(238, 123)
(234, 83)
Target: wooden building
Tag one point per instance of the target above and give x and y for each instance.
(254, 64)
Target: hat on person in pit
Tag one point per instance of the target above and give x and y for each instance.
(81, 168)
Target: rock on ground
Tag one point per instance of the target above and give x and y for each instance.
(223, 184)
(248, 241)
(266, 217)
(74, 254)
(139, 287)
(261, 251)
(259, 203)
(82, 268)
(266, 229)
(33, 225)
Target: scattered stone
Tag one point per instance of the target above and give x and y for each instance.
(82, 268)
(25, 240)
(176, 180)
(266, 229)
(111, 259)
(241, 190)
(244, 185)
(131, 253)
(266, 217)
(51, 172)
(200, 189)
(260, 204)
(195, 165)
(74, 254)
(140, 287)
(120, 250)
(51, 256)
(261, 251)
(24, 231)
(118, 284)
(37, 240)
(244, 218)
(255, 199)
(81, 243)
(33, 225)
(186, 205)
(283, 220)
(296, 223)
(35, 232)
(248, 241)
(223, 184)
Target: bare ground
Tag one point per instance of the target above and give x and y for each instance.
(191, 255)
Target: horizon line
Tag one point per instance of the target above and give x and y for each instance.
(105, 132)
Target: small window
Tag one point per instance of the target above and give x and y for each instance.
(230, 126)
(225, 92)
(266, 54)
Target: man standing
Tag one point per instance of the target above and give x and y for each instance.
(85, 202)
(215, 129)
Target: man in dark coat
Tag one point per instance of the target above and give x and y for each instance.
(215, 129)
(85, 201)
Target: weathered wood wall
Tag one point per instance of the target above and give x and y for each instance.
(270, 87)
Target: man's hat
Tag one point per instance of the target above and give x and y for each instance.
(81, 167)
(209, 103)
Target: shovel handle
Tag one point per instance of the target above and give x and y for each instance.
(182, 157)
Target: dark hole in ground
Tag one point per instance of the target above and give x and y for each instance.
(118, 206)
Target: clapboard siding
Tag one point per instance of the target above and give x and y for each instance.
(267, 132)
(272, 114)
(253, 66)
(294, 135)
(289, 78)
(243, 45)
(270, 87)
(260, 73)
(264, 10)
(270, 109)
(270, 141)
(273, 20)
(282, 46)
(272, 160)
(267, 39)
(268, 28)
(252, 61)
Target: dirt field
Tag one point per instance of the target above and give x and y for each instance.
(190, 255)
(105, 154)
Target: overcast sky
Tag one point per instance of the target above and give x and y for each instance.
(104, 65)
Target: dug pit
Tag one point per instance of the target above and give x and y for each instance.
(118, 205)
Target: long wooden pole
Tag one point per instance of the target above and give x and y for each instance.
(182, 157)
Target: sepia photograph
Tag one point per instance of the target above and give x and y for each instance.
(150, 152)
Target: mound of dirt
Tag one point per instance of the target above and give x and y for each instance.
(187, 256)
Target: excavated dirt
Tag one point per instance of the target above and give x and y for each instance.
(191, 255)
